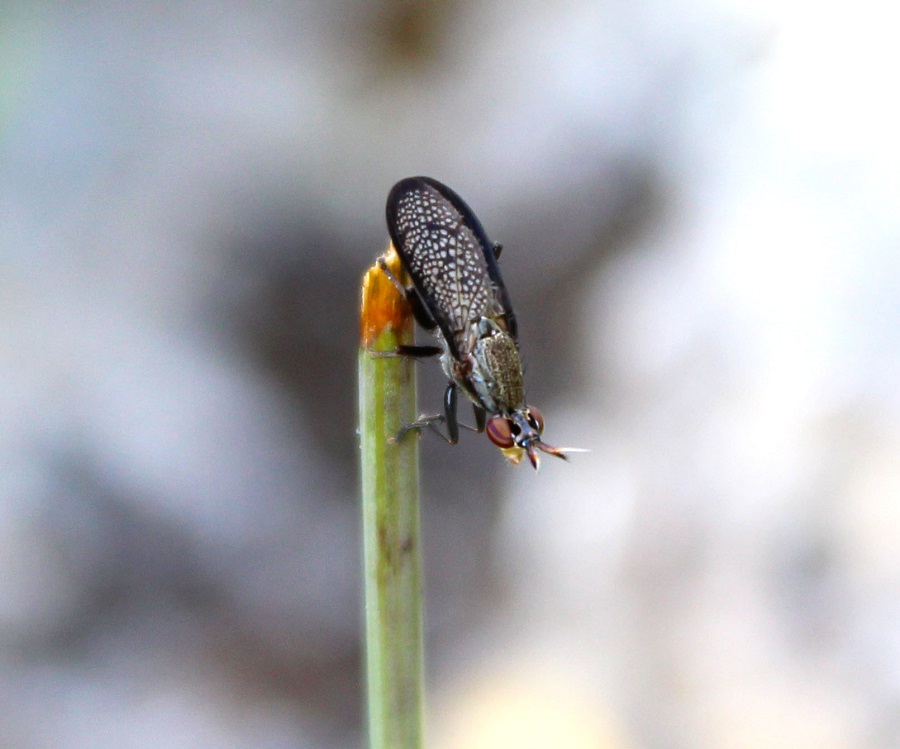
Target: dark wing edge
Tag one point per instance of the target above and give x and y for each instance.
(403, 187)
(487, 249)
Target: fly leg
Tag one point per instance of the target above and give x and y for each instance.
(480, 418)
(427, 321)
(419, 310)
(431, 421)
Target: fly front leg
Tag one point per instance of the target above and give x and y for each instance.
(431, 421)
(450, 412)
(480, 418)
(425, 421)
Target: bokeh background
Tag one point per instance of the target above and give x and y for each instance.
(699, 204)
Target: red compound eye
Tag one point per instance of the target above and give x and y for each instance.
(536, 419)
(499, 430)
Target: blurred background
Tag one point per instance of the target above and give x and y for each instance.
(699, 205)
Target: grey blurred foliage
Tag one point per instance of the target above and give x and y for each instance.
(698, 205)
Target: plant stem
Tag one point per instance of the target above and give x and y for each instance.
(390, 498)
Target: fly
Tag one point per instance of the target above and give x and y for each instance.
(458, 294)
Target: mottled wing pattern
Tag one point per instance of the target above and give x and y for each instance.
(442, 249)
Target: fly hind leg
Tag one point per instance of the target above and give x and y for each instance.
(419, 310)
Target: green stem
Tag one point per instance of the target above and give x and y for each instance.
(390, 497)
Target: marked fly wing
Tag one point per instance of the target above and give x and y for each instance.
(487, 249)
(445, 250)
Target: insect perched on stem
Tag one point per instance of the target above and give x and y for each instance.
(457, 293)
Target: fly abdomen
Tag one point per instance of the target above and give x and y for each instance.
(498, 373)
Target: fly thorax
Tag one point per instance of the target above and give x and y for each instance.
(497, 373)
